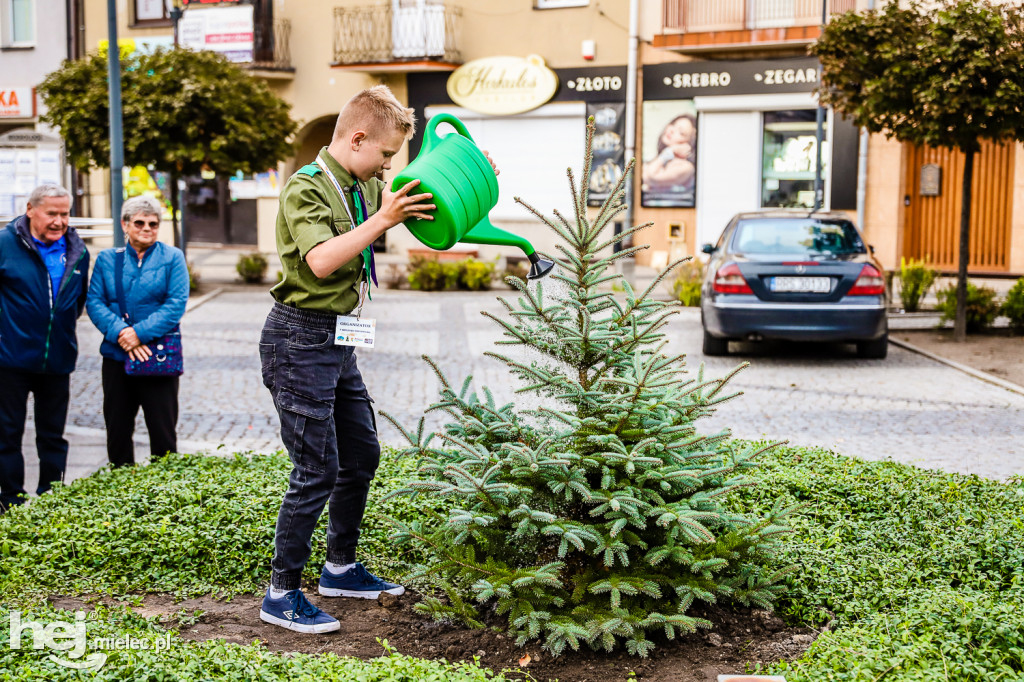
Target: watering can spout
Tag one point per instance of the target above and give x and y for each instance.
(486, 233)
(539, 267)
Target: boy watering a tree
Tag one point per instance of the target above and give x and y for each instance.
(331, 212)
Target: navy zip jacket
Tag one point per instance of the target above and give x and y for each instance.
(37, 330)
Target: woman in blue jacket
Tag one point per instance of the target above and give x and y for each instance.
(155, 280)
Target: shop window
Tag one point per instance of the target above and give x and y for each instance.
(788, 159)
(151, 12)
(18, 21)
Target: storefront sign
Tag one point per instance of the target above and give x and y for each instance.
(502, 85)
(227, 30)
(749, 77)
(17, 102)
(591, 84)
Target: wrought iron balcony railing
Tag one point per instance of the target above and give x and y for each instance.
(271, 46)
(380, 34)
(693, 16)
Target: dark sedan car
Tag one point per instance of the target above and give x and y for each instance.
(798, 276)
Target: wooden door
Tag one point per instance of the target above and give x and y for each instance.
(932, 229)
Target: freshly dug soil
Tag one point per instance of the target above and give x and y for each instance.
(740, 637)
(999, 352)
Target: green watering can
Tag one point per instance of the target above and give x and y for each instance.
(465, 189)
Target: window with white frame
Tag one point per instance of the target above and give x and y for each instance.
(18, 22)
(151, 11)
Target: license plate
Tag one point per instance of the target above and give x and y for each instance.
(814, 285)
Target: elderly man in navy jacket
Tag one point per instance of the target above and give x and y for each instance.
(44, 270)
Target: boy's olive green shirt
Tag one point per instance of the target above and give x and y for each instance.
(311, 212)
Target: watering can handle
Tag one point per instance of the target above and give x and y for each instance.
(432, 138)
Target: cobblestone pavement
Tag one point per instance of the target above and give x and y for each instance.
(906, 408)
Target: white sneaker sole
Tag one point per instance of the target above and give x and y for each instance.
(299, 627)
(359, 594)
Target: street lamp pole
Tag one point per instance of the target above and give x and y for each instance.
(176, 12)
(819, 135)
(116, 124)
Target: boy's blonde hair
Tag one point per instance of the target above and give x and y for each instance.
(375, 110)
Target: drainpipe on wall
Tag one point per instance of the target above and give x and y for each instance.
(862, 166)
(628, 264)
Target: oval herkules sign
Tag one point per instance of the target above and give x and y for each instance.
(502, 85)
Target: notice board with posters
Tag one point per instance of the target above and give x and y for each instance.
(28, 158)
(227, 30)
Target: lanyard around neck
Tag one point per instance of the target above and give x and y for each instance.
(368, 270)
(337, 186)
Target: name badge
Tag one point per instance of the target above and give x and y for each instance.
(355, 331)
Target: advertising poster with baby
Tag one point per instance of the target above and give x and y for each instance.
(669, 171)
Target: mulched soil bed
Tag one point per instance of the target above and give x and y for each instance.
(997, 351)
(740, 637)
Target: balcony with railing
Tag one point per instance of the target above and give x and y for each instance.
(271, 48)
(423, 37)
(718, 25)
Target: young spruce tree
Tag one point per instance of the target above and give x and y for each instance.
(596, 518)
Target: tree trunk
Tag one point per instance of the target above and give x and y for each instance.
(960, 325)
(174, 208)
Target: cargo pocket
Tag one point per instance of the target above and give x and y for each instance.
(268, 363)
(369, 404)
(305, 427)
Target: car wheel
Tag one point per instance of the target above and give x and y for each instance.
(714, 345)
(875, 350)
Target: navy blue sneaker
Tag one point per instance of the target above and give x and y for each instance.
(294, 612)
(355, 582)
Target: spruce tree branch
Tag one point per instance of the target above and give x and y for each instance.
(623, 235)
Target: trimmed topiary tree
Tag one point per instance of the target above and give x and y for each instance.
(601, 515)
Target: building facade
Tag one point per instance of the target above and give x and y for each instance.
(35, 37)
(729, 79)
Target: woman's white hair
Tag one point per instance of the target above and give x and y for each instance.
(141, 204)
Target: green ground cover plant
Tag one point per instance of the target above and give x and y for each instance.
(210, 660)
(188, 525)
(918, 574)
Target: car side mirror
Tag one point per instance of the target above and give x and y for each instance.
(708, 249)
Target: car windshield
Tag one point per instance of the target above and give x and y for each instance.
(810, 236)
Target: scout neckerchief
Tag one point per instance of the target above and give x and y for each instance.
(369, 271)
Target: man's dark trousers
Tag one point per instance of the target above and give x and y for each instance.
(51, 393)
(328, 427)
